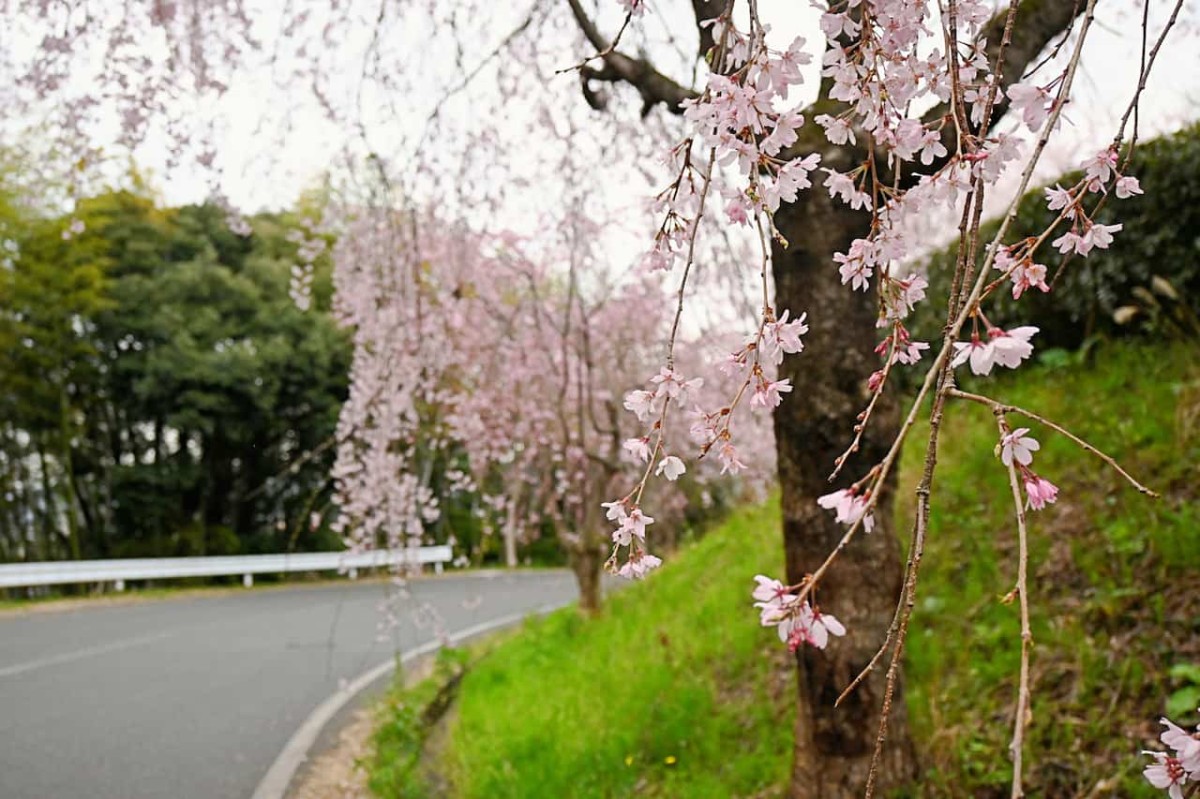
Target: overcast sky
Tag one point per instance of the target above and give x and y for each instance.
(498, 153)
(272, 147)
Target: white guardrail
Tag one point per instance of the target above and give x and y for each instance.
(14, 575)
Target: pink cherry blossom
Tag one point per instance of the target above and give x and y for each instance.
(1018, 446)
(1059, 199)
(782, 337)
(728, 455)
(1072, 242)
(669, 383)
(1005, 347)
(1099, 168)
(1186, 745)
(768, 394)
(738, 210)
(633, 524)
(643, 403)
(842, 186)
(848, 507)
(1100, 236)
(639, 565)
(837, 129)
(909, 353)
(614, 511)
(1039, 492)
(1031, 103)
(1127, 187)
(768, 590)
(671, 467)
(808, 626)
(1024, 275)
(1166, 773)
(1012, 346)
(639, 448)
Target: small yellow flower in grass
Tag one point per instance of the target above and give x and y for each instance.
(669, 760)
(629, 760)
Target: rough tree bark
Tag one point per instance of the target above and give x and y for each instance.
(586, 562)
(834, 746)
(588, 549)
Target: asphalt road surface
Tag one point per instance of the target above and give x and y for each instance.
(193, 698)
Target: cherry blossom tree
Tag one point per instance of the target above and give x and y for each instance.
(466, 345)
(888, 164)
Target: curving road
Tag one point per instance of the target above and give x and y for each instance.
(193, 698)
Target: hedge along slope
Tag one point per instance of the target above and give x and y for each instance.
(1160, 242)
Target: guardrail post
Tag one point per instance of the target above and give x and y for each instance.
(247, 580)
(352, 574)
(118, 585)
(437, 567)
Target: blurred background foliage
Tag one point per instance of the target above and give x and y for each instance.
(1148, 282)
(162, 394)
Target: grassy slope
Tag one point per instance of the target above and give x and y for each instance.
(677, 692)
(1113, 574)
(664, 695)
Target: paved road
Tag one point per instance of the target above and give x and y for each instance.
(193, 698)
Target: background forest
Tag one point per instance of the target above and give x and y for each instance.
(162, 393)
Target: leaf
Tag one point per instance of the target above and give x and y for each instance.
(1184, 702)
(1190, 672)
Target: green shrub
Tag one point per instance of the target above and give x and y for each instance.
(1149, 278)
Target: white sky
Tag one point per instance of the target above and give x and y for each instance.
(258, 173)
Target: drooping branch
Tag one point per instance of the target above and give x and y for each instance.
(1000, 408)
(1011, 51)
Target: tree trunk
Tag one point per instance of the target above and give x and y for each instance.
(834, 746)
(586, 562)
(510, 535)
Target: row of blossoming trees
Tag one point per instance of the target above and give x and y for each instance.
(924, 110)
(472, 346)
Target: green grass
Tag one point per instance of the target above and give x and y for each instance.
(676, 691)
(404, 725)
(1116, 612)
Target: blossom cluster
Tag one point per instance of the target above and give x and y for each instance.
(630, 533)
(746, 123)
(1084, 235)
(1172, 772)
(1016, 449)
(796, 621)
(750, 370)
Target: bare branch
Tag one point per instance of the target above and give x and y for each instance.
(653, 86)
(999, 407)
(1022, 710)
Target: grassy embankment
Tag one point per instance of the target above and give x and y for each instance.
(676, 691)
